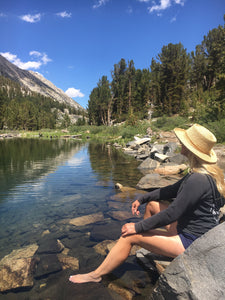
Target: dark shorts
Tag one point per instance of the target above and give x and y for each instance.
(187, 239)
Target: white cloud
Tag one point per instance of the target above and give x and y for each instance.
(9, 56)
(74, 93)
(42, 59)
(29, 65)
(35, 53)
(164, 4)
(2, 15)
(31, 18)
(100, 3)
(64, 14)
(75, 161)
(45, 59)
(181, 2)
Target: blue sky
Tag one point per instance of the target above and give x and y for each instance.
(73, 43)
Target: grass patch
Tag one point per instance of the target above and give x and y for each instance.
(121, 133)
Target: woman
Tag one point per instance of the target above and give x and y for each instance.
(195, 210)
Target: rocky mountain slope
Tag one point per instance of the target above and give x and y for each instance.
(35, 82)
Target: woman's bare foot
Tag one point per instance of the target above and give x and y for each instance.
(82, 278)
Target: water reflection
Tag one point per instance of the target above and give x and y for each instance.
(22, 160)
(111, 164)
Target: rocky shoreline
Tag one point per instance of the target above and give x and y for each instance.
(161, 158)
(197, 273)
(10, 135)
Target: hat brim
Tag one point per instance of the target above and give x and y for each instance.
(182, 136)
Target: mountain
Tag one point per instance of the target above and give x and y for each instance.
(35, 82)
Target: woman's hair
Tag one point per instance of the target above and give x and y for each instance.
(200, 166)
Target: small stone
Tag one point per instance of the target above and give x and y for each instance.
(161, 157)
(45, 232)
(153, 261)
(125, 293)
(68, 262)
(102, 248)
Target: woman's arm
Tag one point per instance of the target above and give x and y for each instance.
(189, 194)
(164, 193)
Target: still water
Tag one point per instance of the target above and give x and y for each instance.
(43, 183)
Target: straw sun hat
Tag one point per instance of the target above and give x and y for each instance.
(199, 141)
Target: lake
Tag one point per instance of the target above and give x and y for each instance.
(45, 183)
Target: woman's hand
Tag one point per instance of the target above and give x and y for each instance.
(135, 206)
(128, 228)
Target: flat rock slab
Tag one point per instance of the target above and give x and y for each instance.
(151, 181)
(117, 205)
(47, 264)
(161, 157)
(104, 247)
(120, 215)
(88, 219)
(49, 246)
(170, 170)
(110, 231)
(139, 141)
(149, 164)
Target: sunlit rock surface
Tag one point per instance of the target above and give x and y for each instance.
(16, 269)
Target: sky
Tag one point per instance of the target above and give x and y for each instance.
(73, 43)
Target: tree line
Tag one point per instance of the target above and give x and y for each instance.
(26, 110)
(177, 82)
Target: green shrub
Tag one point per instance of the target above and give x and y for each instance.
(112, 130)
(218, 128)
(128, 132)
(96, 129)
(169, 123)
(207, 107)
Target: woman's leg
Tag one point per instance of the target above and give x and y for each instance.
(154, 207)
(155, 241)
(116, 257)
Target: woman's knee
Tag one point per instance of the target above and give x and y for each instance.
(152, 207)
(130, 239)
(155, 207)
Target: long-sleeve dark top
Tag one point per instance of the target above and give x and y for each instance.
(194, 206)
